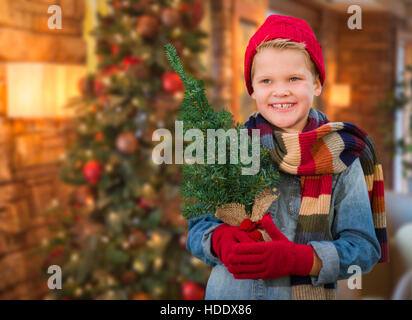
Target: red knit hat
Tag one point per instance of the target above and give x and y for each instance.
(284, 27)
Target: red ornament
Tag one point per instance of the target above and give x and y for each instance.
(114, 50)
(142, 203)
(130, 61)
(56, 252)
(56, 256)
(99, 87)
(110, 70)
(192, 13)
(98, 137)
(92, 171)
(172, 83)
(192, 291)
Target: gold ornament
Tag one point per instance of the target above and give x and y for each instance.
(74, 257)
(110, 281)
(108, 167)
(147, 191)
(139, 266)
(63, 156)
(45, 242)
(159, 239)
(176, 32)
(134, 35)
(109, 295)
(157, 263)
(186, 52)
(152, 119)
(83, 128)
(175, 3)
(155, 241)
(113, 217)
(155, 8)
(125, 245)
(89, 153)
(157, 290)
(78, 292)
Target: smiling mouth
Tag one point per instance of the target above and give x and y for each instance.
(282, 106)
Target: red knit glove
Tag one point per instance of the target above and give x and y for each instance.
(224, 237)
(272, 259)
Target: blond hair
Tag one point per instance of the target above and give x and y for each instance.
(280, 43)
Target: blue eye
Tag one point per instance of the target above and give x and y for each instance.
(265, 80)
(294, 78)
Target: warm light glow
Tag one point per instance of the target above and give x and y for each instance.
(41, 90)
(340, 95)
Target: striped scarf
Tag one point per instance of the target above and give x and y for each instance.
(322, 149)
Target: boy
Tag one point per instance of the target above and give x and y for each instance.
(321, 222)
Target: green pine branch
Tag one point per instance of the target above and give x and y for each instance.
(205, 187)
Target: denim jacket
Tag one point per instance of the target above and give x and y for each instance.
(352, 239)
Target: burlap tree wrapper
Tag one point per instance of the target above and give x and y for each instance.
(234, 213)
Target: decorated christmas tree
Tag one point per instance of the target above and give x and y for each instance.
(122, 235)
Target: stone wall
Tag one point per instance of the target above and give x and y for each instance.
(30, 149)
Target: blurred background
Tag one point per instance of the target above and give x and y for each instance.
(83, 85)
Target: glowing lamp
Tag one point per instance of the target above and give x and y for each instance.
(41, 90)
(340, 95)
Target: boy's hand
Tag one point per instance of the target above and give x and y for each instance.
(272, 259)
(224, 238)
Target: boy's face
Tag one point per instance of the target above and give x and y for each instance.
(282, 77)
